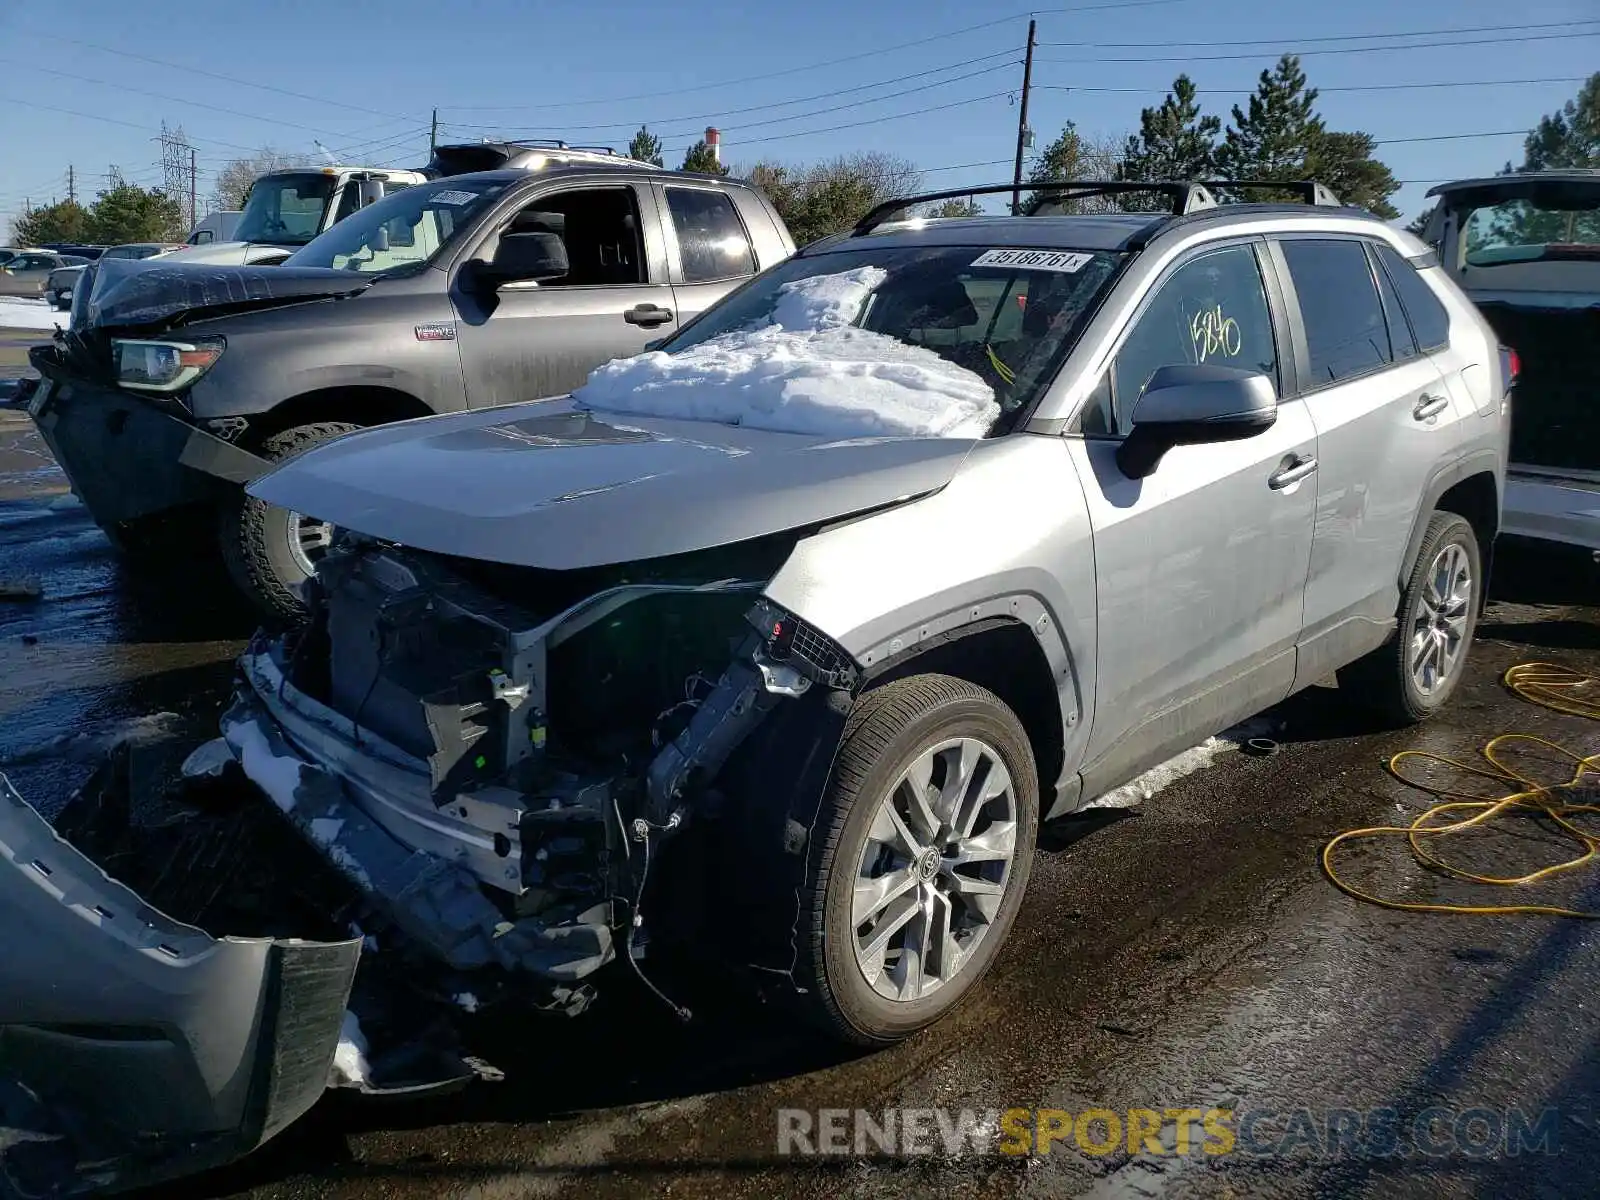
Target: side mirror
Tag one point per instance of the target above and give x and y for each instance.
(369, 191)
(1195, 405)
(520, 256)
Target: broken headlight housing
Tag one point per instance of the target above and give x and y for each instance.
(159, 366)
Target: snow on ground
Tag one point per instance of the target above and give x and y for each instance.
(808, 370)
(350, 1065)
(19, 312)
(1196, 758)
(467, 1002)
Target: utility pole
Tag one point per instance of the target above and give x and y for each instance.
(72, 185)
(194, 180)
(1022, 122)
(433, 137)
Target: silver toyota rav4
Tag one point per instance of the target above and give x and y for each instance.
(778, 643)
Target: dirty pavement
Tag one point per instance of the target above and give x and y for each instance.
(1186, 953)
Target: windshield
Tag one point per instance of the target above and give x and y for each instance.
(1008, 316)
(403, 230)
(1527, 230)
(285, 210)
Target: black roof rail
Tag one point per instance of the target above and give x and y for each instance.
(1308, 190)
(1185, 197)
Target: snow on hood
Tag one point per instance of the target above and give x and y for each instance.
(808, 370)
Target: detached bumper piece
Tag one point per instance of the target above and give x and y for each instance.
(135, 1048)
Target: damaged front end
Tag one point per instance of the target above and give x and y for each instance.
(492, 755)
(472, 783)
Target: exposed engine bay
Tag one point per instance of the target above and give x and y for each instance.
(492, 754)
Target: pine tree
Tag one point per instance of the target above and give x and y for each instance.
(67, 221)
(646, 147)
(1175, 142)
(1569, 137)
(127, 213)
(1344, 163)
(1272, 138)
(701, 158)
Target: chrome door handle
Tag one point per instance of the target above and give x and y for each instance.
(1430, 406)
(1299, 469)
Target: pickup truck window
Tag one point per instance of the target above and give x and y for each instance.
(600, 227)
(1527, 231)
(285, 210)
(711, 240)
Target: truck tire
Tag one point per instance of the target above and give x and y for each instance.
(908, 901)
(263, 545)
(1413, 675)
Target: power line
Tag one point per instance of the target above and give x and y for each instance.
(781, 137)
(1451, 137)
(1119, 5)
(1188, 58)
(1355, 87)
(123, 87)
(72, 112)
(234, 79)
(831, 94)
(854, 104)
(1345, 37)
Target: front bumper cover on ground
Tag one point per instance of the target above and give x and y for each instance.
(135, 1048)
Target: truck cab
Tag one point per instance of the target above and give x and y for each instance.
(286, 209)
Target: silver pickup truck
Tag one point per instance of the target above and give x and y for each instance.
(1526, 249)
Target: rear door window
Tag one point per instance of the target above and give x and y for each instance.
(711, 239)
(1346, 335)
(1429, 320)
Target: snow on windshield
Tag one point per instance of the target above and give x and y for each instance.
(807, 370)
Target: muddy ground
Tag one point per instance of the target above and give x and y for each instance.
(1188, 953)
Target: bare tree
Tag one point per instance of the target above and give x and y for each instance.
(234, 180)
(823, 198)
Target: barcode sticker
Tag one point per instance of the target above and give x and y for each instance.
(1066, 262)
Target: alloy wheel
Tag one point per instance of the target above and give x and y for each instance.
(934, 868)
(1439, 625)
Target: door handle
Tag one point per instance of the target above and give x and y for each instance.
(1430, 406)
(1293, 473)
(647, 315)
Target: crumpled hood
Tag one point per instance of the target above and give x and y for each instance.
(548, 485)
(129, 292)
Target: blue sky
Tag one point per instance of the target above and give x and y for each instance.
(364, 77)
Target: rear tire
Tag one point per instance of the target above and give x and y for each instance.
(954, 871)
(1413, 675)
(269, 550)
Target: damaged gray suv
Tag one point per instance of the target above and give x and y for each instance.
(778, 643)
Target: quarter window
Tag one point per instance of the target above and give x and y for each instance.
(1213, 309)
(1346, 334)
(1400, 339)
(1429, 320)
(711, 241)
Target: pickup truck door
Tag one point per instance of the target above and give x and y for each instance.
(709, 248)
(528, 340)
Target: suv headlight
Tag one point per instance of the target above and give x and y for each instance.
(162, 366)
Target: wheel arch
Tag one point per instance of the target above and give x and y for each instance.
(356, 404)
(1470, 488)
(1004, 656)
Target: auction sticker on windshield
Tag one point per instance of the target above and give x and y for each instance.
(1064, 261)
(453, 197)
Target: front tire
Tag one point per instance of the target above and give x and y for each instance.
(1412, 676)
(270, 552)
(928, 829)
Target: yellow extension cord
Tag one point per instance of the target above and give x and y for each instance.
(1554, 687)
